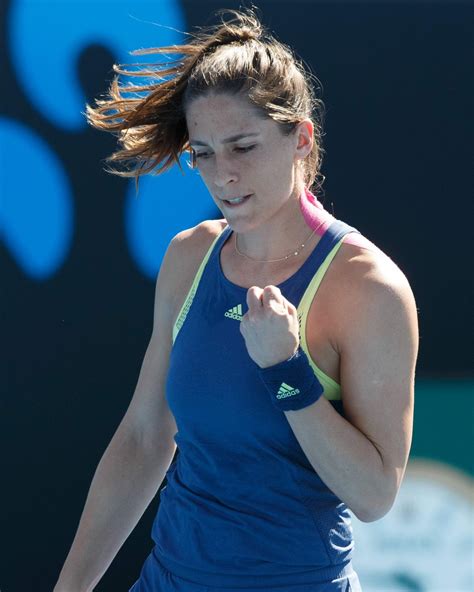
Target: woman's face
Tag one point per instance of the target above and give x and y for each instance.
(261, 161)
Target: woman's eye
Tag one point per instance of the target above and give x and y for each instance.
(240, 149)
(245, 149)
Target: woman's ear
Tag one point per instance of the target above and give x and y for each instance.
(305, 135)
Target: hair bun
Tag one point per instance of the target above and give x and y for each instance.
(241, 27)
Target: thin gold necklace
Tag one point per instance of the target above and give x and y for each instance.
(292, 254)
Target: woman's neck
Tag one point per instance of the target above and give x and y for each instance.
(304, 215)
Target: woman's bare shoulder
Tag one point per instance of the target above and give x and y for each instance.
(202, 232)
(193, 243)
(360, 259)
(367, 278)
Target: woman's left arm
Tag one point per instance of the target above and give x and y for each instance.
(362, 457)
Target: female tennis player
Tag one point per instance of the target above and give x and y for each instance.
(283, 351)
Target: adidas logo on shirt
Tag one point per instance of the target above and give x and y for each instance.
(286, 390)
(234, 313)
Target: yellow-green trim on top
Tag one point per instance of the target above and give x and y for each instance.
(332, 389)
(190, 297)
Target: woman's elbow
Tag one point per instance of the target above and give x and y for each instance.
(376, 508)
(372, 514)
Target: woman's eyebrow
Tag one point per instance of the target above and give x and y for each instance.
(226, 140)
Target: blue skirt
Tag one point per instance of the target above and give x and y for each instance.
(155, 578)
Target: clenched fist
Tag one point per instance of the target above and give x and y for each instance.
(270, 326)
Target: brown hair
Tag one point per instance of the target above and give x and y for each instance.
(235, 56)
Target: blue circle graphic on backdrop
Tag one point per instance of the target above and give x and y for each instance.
(37, 208)
(46, 39)
(36, 211)
(165, 205)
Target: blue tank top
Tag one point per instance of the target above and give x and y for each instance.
(242, 505)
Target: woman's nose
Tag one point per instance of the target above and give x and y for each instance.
(224, 172)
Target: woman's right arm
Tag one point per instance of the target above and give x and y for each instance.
(135, 462)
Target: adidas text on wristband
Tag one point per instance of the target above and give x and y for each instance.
(292, 383)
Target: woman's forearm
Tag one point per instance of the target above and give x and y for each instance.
(126, 480)
(345, 459)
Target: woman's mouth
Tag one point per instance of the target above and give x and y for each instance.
(236, 201)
